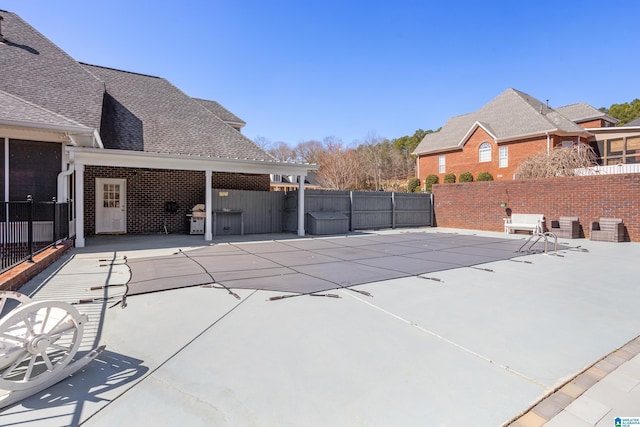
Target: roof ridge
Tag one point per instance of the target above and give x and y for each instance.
(119, 70)
(575, 103)
(540, 110)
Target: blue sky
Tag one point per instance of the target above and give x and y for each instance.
(302, 70)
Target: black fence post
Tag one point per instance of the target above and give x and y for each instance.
(30, 226)
(54, 231)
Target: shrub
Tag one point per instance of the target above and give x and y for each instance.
(484, 176)
(561, 161)
(429, 181)
(465, 177)
(450, 178)
(413, 185)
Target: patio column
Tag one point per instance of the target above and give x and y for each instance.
(208, 207)
(301, 206)
(79, 205)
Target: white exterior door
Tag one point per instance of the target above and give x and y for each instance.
(111, 212)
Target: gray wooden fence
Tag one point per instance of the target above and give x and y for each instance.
(276, 211)
(262, 211)
(365, 210)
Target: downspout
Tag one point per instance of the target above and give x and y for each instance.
(418, 170)
(548, 144)
(579, 148)
(63, 190)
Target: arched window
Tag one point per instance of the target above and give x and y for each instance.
(485, 152)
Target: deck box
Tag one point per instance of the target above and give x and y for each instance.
(328, 223)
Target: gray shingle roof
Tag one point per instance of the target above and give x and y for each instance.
(142, 113)
(511, 115)
(581, 112)
(17, 110)
(39, 72)
(217, 109)
(147, 113)
(635, 122)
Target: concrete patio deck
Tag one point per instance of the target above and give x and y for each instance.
(472, 347)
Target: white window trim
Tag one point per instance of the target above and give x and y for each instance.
(485, 151)
(442, 164)
(503, 157)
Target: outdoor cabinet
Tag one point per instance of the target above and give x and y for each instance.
(328, 223)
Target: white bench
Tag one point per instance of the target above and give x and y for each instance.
(525, 222)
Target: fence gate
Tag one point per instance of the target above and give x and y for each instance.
(254, 212)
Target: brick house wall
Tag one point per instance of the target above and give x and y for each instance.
(467, 158)
(596, 123)
(477, 205)
(241, 181)
(148, 190)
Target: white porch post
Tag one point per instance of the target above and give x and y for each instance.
(79, 205)
(301, 206)
(208, 207)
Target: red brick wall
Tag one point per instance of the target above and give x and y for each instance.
(597, 123)
(467, 159)
(149, 189)
(477, 205)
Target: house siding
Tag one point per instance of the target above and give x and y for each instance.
(476, 205)
(148, 190)
(467, 158)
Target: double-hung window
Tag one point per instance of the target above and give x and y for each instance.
(503, 157)
(441, 164)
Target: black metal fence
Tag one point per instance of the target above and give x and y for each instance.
(29, 227)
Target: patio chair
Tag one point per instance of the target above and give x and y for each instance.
(607, 230)
(567, 227)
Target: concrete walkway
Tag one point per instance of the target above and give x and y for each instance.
(469, 346)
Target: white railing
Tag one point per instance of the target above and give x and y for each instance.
(609, 170)
(18, 231)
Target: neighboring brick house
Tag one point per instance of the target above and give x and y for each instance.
(119, 145)
(503, 133)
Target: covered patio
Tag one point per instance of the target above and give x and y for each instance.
(80, 158)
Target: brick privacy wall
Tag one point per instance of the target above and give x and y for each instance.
(148, 190)
(467, 159)
(476, 205)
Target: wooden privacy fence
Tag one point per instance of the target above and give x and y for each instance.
(365, 210)
(251, 212)
(259, 212)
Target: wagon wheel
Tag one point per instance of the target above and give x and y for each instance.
(37, 340)
(12, 298)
